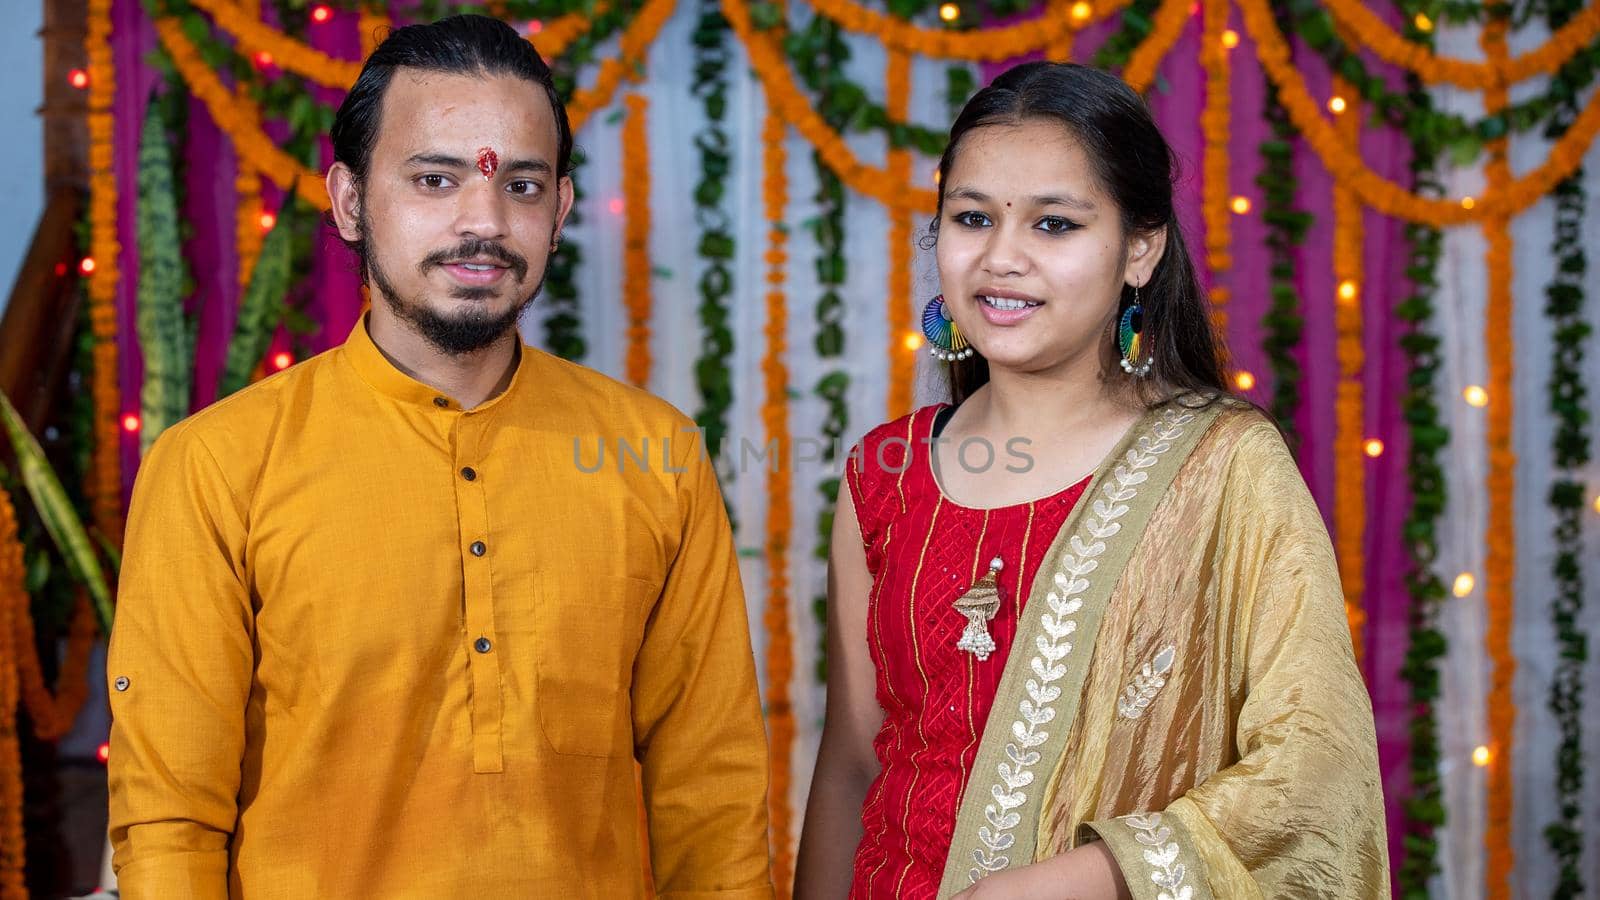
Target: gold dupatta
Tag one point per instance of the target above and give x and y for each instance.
(1039, 693)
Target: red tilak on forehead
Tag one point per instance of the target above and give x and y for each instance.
(488, 162)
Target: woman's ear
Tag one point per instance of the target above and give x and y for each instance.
(1144, 251)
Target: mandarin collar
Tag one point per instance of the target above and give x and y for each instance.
(384, 377)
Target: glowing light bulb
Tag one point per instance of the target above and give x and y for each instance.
(1422, 22)
(130, 423)
(78, 78)
(1468, 203)
(1373, 447)
(282, 361)
(1244, 380)
(267, 220)
(1082, 11)
(1336, 104)
(1475, 396)
(949, 12)
(102, 752)
(86, 265)
(1230, 39)
(320, 14)
(1347, 290)
(1240, 205)
(1464, 584)
(913, 341)
(263, 59)
(1480, 756)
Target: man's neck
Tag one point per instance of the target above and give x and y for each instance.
(471, 379)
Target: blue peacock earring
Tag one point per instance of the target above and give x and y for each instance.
(1128, 342)
(945, 340)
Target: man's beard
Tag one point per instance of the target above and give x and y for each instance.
(474, 328)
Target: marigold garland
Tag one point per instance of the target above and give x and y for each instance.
(1504, 200)
(631, 50)
(636, 237)
(372, 26)
(792, 105)
(1060, 48)
(1215, 121)
(250, 142)
(104, 482)
(1376, 35)
(780, 514)
(292, 55)
(1056, 24)
(1350, 486)
(13, 597)
(1169, 21)
(902, 356)
(248, 233)
(53, 714)
(259, 151)
(1500, 537)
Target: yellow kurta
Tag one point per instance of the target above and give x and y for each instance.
(371, 644)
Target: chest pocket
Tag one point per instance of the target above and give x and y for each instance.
(588, 636)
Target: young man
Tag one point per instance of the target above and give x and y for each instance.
(380, 634)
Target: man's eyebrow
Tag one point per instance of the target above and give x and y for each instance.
(536, 166)
(445, 160)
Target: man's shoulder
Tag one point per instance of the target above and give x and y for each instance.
(585, 393)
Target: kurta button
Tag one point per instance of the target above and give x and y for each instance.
(479, 548)
(441, 402)
(481, 645)
(469, 474)
(122, 682)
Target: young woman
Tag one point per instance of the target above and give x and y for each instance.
(1086, 635)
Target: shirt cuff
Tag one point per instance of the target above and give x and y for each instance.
(1156, 854)
(198, 875)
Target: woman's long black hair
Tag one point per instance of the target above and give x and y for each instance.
(1134, 166)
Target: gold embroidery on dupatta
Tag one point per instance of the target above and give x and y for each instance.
(1151, 679)
(1161, 854)
(1038, 708)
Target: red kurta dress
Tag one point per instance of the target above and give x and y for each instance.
(924, 551)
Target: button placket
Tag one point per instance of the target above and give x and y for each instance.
(478, 596)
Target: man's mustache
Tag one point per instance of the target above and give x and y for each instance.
(477, 249)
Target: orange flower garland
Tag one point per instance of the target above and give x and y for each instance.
(54, 714)
(13, 596)
(247, 190)
(1384, 195)
(774, 417)
(1057, 24)
(631, 50)
(1350, 485)
(252, 145)
(1214, 124)
(292, 55)
(794, 107)
(1500, 558)
(1376, 35)
(1166, 28)
(105, 479)
(902, 358)
(373, 27)
(1059, 48)
(636, 237)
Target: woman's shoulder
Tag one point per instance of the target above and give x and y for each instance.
(907, 428)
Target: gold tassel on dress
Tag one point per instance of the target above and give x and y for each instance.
(980, 604)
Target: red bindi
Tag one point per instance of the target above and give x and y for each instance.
(488, 162)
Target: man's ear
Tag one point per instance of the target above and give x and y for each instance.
(346, 197)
